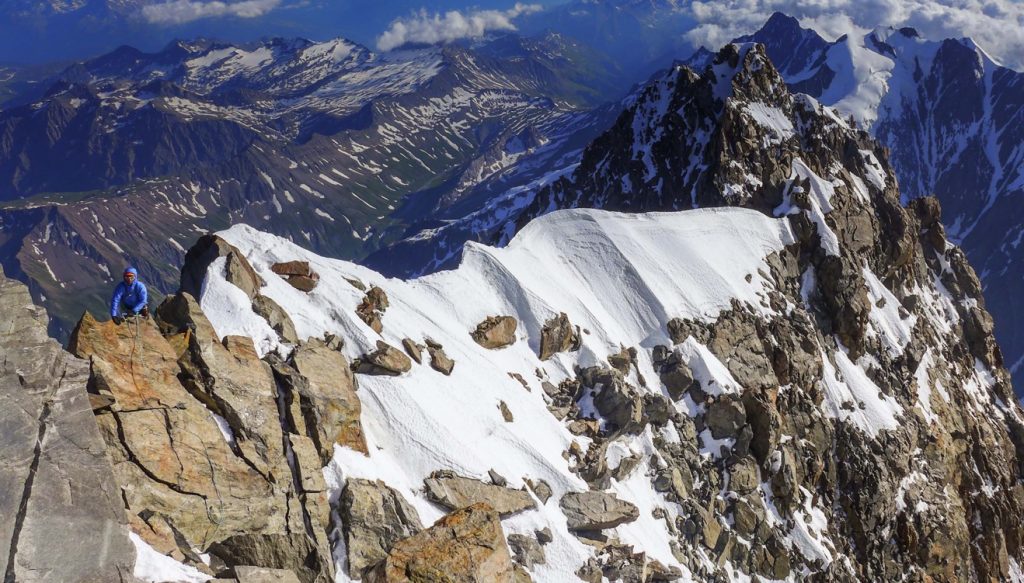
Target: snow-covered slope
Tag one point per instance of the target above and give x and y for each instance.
(703, 285)
(869, 345)
(605, 270)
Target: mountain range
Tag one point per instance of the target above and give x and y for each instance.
(946, 112)
(418, 150)
(797, 381)
(329, 143)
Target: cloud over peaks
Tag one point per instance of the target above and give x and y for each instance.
(422, 27)
(183, 11)
(996, 25)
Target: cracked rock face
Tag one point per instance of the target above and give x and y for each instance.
(61, 516)
(374, 517)
(193, 425)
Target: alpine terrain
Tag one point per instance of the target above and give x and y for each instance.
(796, 381)
(951, 118)
(131, 155)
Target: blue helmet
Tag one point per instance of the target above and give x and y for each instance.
(131, 270)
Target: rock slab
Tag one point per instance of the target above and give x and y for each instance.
(61, 516)
(594, 510)
(453, 492)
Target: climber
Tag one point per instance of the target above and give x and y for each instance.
(130, 295)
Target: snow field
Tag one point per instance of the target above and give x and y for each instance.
(619, 277)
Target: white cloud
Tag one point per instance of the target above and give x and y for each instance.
(182, 11)
(996, 25)
(422, 27)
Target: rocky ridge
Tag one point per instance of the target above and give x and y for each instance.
(860, 392)
(806, 390)
(947, 112)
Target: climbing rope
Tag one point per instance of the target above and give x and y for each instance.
(136, 347)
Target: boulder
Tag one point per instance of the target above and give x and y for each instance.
(506, 413)
(540, 489)
(278, 319)
(439, 361)
(736, 341)
(322, 399)
(623, 359)
(526, 550)
(744, 476)
(676, 376)
(558, 335)
(297, 273)
(386, 360)
(467, 545)
(452, 492)
(495, 332)
(61, 513)
(748, 513)
(620, 405)
(413, 349)
(725, 417)
(593, 510)
(374, 517)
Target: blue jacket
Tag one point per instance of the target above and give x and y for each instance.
(134, 297)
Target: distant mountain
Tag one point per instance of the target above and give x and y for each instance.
(126, 157)
(947, 113)
(951, 118)
(642, 36)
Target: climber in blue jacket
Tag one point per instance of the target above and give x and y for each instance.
(129, 295)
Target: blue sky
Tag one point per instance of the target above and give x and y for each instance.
(81, 34)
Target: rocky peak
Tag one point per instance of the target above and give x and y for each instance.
(726, 136)
(792, 48)
(872, 310)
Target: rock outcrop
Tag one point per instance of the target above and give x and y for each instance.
(453, 492)
(61, 516)
(594, 510)
(374, 517)
(216, 450)
(495, 332)
(372, 308)
(467, 545)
